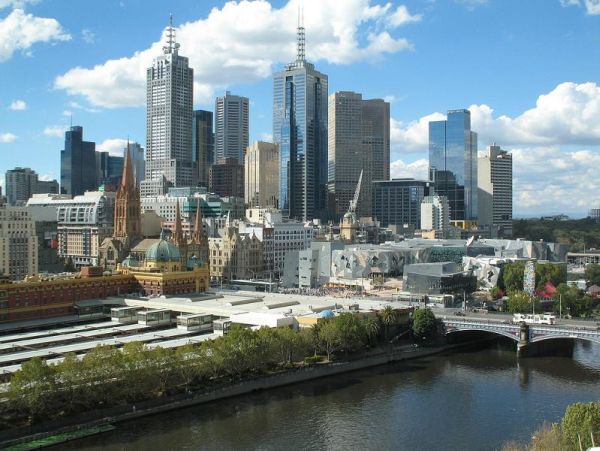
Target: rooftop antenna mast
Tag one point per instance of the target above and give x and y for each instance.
(301, 37)
(172, 45)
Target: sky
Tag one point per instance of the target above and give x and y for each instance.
(529, 71)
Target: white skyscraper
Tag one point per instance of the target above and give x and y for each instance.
(435, 214)
(495, 191)
(169, 97)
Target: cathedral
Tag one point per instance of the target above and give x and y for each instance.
(127, 248)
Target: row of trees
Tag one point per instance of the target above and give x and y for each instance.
(579, 429)
(568, 300)
(577, 234)
(107, 376)
(512, 276)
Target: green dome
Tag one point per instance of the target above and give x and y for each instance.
(130, 262)
(163, 251)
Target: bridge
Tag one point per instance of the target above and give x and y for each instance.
(522, 334)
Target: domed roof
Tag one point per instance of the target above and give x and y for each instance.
(130, 262)
(326, 314)
(163, 251)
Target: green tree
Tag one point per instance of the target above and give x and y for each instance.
(189, 365)
(592, 274)
(69, 265)
(103, 368)
(512, 276)
(549, 272)
(33, 389)
(372, 329)
(521, 302)
(581, 420)
(424, 324)
(389, 318)
(329, 338)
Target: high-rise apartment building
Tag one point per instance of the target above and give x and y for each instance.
(169, 97)
(261, 178)
(495, 191)
(435, 214)
(397, 202)
(22, 183)
(203, 144)
(300, 129)
(226, 178)
(358, 140)
(18, 243)
(453, 163)
(231, 127)
(77, 163)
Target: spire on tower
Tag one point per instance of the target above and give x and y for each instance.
(172, 45)
(177, 230)
(300, 37)
(127, 178)
(198, 230)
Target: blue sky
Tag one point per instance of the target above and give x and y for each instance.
(528, 70)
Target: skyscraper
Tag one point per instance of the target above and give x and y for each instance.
(261, 179)
(77, 163)
(22, 183)
(231, 127)
(137, 161)
(169, 97)
(495, 191)
(203, 144)
(453, 163)
(300, 129)
(358, 140)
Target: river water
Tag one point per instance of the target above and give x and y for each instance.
(466, 400)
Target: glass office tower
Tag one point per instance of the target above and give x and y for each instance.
(203, 144)
(453, 163)
(300, 129)
(77, 163)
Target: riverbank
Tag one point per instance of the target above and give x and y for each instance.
(125, 413)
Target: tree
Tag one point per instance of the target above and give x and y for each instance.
(521, 302)
(592, 274)
(579, 421)
(69, 266)
(33, 389)
(549, 272)
(372, 329)
(512, 276)
(329, 338)
(389, 317)
(424, 324)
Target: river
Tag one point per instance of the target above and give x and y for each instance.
(466, 400)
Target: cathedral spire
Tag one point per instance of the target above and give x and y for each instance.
(198, 230)
(127, 180)
(177, 230)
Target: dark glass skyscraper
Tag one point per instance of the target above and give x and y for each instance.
(453, 163)
(203, 144)
(300, 129)
(77, 163)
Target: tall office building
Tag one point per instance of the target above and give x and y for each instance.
(397, 202)
(231, 127)
(108, 169)
(18, 243)
(435, 215)
(226, 178)
(169, 97)
(22, 183)
(77, 163)
(453, 164)
(495, 191)
(261, 178)
(203, 144)
(300, 129)
(358, 140)
(138, 162)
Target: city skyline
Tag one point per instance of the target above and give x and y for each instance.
(517, 94)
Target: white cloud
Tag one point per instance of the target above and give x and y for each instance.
(266, 137)
(417, 169)
(88, 36)
(57, 131)
(401, 16)
(20, 31)
(472, 4)
(412, 136)
(47, 177)
(7, 137)
(18, 105)
(263, 38)
(16, 3)
(566, 115)
(113, 146)
(592, 7)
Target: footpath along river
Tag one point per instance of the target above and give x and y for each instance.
(465, 400)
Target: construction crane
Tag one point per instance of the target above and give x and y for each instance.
(354, 201)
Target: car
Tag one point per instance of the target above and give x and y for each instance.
(459, 313)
